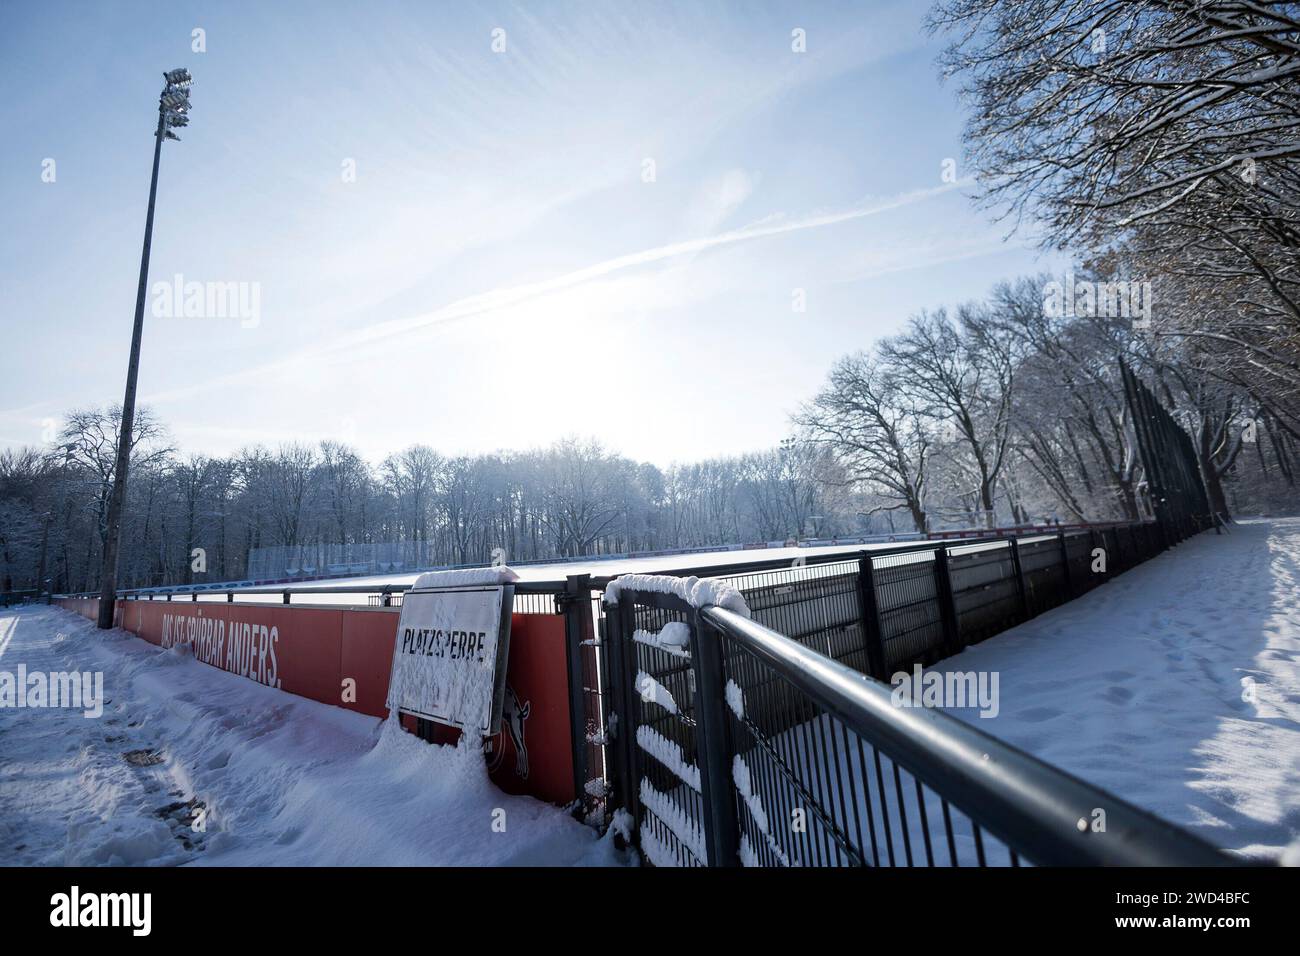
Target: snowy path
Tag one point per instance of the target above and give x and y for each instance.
(276, 779)
(1138, 686)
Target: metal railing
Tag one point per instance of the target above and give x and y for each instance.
(233, 591)
(875, 611)
(777, 712)
(736, 744)
(880, 784)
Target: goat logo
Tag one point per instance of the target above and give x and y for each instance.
(513, 715)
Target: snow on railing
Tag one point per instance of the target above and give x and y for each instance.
(694, 591)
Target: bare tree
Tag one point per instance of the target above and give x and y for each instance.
(1169, 128)
(960, 374)
(876, 430)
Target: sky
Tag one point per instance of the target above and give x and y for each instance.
(476, 226)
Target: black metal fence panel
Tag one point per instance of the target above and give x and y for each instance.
(1174, 484)
(985, 590)
(818, 606)
(799, 785)
(825, 771)
(911, 619)
(812, 792)
(656, 734)
(1044, 571)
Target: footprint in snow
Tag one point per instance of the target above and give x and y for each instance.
(1118, 695)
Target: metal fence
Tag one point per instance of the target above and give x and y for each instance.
(825, 770)
(1170, 464)
(726, 730)
(873, 612)
(879, 611)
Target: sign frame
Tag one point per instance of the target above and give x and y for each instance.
(506, 592)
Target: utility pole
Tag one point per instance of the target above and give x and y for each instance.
(173, 107)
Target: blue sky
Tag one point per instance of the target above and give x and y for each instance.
(499, 273)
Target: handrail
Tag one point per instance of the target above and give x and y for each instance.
(1033, 807)
(848, 553)
(524, 587)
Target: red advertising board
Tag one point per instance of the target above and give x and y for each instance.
(343, 656)
(533, 753)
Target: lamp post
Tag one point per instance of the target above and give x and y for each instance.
(173, 110)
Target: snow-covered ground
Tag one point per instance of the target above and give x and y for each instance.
(1176, 686)
(269, 778)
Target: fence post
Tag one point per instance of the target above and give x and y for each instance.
(577, 629)
(873, 635)
(947, 603)
(1065, 568)
(712, 745)
(1014, 544)
(620, 729)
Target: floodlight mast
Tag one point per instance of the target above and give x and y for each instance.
(173, 107)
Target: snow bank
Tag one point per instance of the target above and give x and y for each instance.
(465, 577)
(694, 591)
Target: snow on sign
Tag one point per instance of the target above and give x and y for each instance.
(449, 660)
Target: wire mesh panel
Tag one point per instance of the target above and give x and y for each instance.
(664, 793)
(1148, 546)
(911, 625)
(817, 605)
(1044, 571)
(1078, 549)
(811, 792)
(826, 769)
(1127, 546)
(985, 592)
(1169, 462)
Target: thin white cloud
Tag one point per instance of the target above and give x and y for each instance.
(492, 300)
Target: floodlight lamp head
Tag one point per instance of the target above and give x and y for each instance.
(177, 77)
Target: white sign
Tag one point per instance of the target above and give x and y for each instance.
(449, 661)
